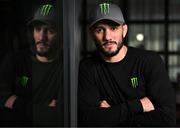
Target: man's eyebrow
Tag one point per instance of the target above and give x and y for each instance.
(99, 26)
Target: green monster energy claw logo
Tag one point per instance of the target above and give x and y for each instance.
(134, 82)
(23, 80)
(46, 9)
(104, 8)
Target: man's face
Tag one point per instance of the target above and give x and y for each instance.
(109, 38)
(45, 39)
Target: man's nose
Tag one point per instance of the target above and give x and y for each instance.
(43, 35)
(107, 35)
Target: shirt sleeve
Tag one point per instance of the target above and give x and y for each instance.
(6, 78)
(7, 82)
(161, 94)
(89, 112)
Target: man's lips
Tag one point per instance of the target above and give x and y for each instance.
(42, 44)
(109, 43)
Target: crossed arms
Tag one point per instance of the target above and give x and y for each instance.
(11, 100)
(156, 108)
(146, 104)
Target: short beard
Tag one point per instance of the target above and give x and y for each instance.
(110, 54)
(46, 54)
(50, 52)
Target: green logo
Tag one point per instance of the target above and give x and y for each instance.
(45, 9)
(134, 82)
(104, 8)
(23, 80)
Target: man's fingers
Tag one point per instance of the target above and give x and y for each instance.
(10, 101)
(53, 103)
(104, 104)
(147, 104)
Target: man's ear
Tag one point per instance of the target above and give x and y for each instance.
(125, 30)
(91, 32)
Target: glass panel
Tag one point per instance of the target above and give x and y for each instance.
(174, 9)
(162, 57)
(31, 77)
(149, 37)
(146, 9)
(174, 40)
(174, 67)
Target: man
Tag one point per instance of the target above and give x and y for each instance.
(121, 85)
(31, 80)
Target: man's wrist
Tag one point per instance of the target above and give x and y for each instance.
(10, 101)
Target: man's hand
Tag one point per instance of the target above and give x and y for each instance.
(10, 101)
(104, 104)
(147, 104)
(53, 103)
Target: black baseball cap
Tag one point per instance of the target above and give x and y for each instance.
(106, 11)
(45, 14)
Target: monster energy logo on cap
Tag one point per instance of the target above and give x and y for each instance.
(45, 9)
(104, 8)
(134, 82)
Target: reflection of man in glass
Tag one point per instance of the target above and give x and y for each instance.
(36, 75)
(120, 85)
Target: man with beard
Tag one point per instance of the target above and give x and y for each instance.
(33, 81)
(121, 85)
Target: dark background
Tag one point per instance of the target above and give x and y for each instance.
(158, 20)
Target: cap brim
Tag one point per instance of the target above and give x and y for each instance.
(34, 22)
(109, 19)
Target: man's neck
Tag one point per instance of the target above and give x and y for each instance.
(44, 59)
(118, 57)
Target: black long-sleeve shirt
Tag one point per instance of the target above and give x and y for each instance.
(35, 84)
(122, 84)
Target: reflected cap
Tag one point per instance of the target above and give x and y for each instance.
(45, 14)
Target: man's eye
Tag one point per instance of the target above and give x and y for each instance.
(114, 27)
(98, 30)
(51, 30)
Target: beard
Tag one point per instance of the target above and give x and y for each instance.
(109, 53)
(46, 50)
